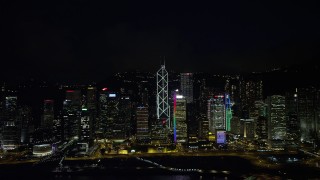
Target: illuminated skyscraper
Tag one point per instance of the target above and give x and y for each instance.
(123, 124)
(112, 115)
(205, 95)
(262, 128)
(187, 86)
(75, 98)
(91, 105)
(142, 116)
(293, 124)
(72, 114)
(228, 112)
(23, 119)
(219, 113)
(163, 108)
(276, 118)
(216, 113)
(250, 92)
(71, 118)
(10, 136)
(48, 114)
(307, 108)
(102, 118)
(180, 119)
(91, 98)
(85, 126)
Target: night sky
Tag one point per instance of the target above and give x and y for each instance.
(84, 40)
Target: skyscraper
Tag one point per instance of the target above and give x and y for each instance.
(72, 114)
(112, 115)
(142, 131)
(91, 105)
(293, 124)
(180, 119)
(123, 124)
(23, 119)
(187, 86)
(10, 136)
(219, 113)
(276, 118)
(48, 114)
(307, 112)
(250, 91)
(102, 117)
(163, 108)
(228, 112)
(91, 98)
(85, 126)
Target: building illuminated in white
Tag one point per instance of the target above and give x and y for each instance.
(180, 118)
(276, 117)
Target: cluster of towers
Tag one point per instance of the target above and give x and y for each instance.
(180, 114)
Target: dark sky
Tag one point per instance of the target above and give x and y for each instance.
(84, 40)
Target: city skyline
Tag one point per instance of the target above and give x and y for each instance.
(149, 116)
(225, 89)
(85, 41)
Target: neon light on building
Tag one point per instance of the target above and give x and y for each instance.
(228, 112)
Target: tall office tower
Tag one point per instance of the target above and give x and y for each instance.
(276, 118)
(91, 105)
(102, 115)
(205, 94)
(293, 124)
(72, 114)
(187, 86)
(23, 119)
(142, 117)
(262, 128)
(71, 120)
(144, 97)
(180, 119)
(75, 98)
(85, 126)
(258, 110)
(216, 113)
(219, 113)
(250, 91)
(163, 108)
(58, 128)
(48, 114)
(307, 102)
(91, 98)
(228, 112)
(11, 104)
(112, 115)
(232, 88)
(235, 125)
(122, 126)
(254, 111)
(160, 128)
(317, 116)
(9, 130)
